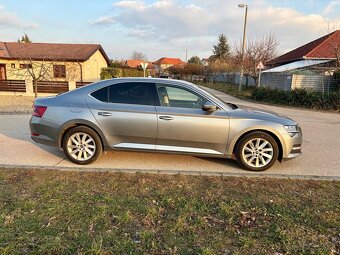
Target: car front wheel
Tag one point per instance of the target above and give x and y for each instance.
(257, 151)
(82, 145)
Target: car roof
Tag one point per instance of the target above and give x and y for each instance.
(98, 85)
(103, 83)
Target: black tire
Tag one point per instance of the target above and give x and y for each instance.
(95, 143)
(249, 137)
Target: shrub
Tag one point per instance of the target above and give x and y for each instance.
(130, 72)
(110, 72)
(298, 97)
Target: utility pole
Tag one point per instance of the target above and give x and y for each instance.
(243, 44)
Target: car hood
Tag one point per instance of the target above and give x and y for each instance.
(260, 114)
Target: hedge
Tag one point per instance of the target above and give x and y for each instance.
(112, 72)
(298, 97)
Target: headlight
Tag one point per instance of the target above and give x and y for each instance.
(292, 130)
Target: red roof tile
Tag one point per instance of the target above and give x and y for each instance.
(133, 63)
(136, 63)
(50, 51)
(321, 48)
(168, 61)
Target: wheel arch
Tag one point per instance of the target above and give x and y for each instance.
(77, 123)
(272, 134)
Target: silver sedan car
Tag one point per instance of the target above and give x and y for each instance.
(161, 115)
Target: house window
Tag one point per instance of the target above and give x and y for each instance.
(25, 66)
(12, 65)
(59, 71)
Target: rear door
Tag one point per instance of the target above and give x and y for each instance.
(126, 114)
(184, 127)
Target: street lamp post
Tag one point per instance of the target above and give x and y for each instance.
(243, 44)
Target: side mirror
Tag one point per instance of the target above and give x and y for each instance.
(209, 107)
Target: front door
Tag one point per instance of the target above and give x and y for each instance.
(2, 72)
(126, 113)
(184, 127)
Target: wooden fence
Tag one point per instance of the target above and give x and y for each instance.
(80, 84)
(12, 86)
(52, 86)
(28, 87)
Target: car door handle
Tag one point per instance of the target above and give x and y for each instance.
(166, 117)
(105, 114)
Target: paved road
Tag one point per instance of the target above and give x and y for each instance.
(321, 149)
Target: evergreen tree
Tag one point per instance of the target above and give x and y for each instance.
(24, 39)
(195, 60)
(222, 49)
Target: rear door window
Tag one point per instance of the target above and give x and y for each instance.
(131, 93)
(101, 94)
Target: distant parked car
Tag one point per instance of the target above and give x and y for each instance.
(161, 115)
(165, 76)
(198, 78)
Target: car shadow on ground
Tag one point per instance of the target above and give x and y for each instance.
(223, 161)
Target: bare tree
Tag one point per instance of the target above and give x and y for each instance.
(262, 49)
(211, 72)
(137, 55)
(219, 67)
(35, 70)
(191, 70)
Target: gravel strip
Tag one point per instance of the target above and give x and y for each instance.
(16, 104)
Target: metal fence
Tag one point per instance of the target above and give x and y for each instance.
(320, 83)
(276, 80)
(234, 78)
(12, 85)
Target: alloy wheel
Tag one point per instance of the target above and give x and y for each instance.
(257, 152)
(81, 146)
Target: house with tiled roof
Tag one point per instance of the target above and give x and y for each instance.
(133, 63)
(164, 63)
(324, 48)
(309, 66)
(64, 62)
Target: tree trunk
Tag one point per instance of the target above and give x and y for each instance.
(35, 88)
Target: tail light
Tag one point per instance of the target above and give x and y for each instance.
(39, 110)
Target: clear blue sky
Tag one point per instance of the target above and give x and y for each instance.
(165, 27)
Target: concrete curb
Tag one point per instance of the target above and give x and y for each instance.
(174, 172)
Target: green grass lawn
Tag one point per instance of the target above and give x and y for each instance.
(54, 212)
(230, 89)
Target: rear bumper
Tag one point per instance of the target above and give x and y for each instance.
(44, 131)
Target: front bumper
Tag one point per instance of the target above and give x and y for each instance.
(295, 152)
(293, 145)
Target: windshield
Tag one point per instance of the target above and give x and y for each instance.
(232, 106)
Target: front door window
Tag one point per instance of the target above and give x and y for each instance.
(177, 97)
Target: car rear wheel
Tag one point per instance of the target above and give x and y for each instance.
(82, 145)
(257, 151)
